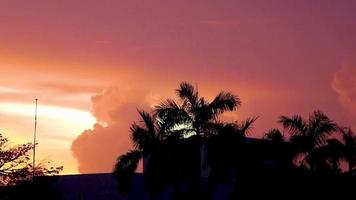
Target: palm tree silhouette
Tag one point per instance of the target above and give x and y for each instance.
(182, 140)
(349, 148)
(158, 140)
(345, 149)
(195, 114)
(146, 137)
(197, 117)
(125, 168)
(225, 150)
(308, 136)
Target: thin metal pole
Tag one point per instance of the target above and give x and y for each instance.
(34, 143)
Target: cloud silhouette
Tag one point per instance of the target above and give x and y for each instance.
(115, 109)
(344, 84)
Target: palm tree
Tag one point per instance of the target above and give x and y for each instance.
(330, 155)
(343, 150)
(194, 116)
(309, 135)
(157, 147)
(125, 168)
(146, 138)
(195, 113)
(225, 148)
(349, 150)
(158, 140)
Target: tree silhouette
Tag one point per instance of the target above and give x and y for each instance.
(198, 117)
(125, 168)
(154, 146)
(15, 164)
(185, 142)
(349, 148)
(158, 139)
(195, 114)
(145, 138)
(309, 136)
(225, 150)
(345, 149)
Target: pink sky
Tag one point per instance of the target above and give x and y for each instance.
(100, 60)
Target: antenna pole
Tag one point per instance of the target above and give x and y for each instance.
(34, 143)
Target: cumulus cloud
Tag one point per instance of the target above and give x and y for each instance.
(115, 109)
(344, 84)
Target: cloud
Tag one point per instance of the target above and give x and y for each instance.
(115, 109)
(97, 149)
(344, 84)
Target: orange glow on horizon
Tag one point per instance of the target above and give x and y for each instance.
(57, 127)
(84, 117)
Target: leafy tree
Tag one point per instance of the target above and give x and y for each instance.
(16, 166)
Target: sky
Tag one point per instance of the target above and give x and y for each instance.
(93, 64)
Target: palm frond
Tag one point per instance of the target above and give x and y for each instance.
(170, 114)
(245, 126)
(165, 106)
(295, 125)
(224, 101)
(179, 133)
(148, 121)
(349, 140)
(124, 169)
(139, 136)
(348, 137)
(188, 93)
(320, 127)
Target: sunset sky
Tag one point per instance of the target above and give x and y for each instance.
(92, 63)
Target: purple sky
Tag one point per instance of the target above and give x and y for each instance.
(281, 57)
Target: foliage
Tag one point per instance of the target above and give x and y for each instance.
(309, 136)
(158, 138)
(16, 166)
(182, 140)
(320, 144)
(274, 135)
(195, 113)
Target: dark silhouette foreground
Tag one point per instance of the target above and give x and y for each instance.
(188, 150)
